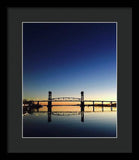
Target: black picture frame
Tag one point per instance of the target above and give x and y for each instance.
(129, 151)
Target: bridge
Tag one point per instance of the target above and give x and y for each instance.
(94, 103)
(82, 104)
(66, 99)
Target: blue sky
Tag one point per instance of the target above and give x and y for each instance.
(67, 58)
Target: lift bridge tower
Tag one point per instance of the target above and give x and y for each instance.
(82, 101)
(49, 101)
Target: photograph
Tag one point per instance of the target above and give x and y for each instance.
(69, 80)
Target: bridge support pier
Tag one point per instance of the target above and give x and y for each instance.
(82, 108)
(49, 108)
(49, 98)
(111, 106)
(102, 107)
(82, 101)
(49, 101)
(93, 106)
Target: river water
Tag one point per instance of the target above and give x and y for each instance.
(62, 122)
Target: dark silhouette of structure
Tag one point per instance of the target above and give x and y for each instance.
(82, 116)
(49, 106)
(82, 101)
(49, 101)
(31, 106)
(49, 116)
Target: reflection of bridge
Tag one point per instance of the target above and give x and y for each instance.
(65, 113)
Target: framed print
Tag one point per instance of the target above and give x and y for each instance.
(69, 80)
(62, 56)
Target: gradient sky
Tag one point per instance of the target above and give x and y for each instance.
(67, 58)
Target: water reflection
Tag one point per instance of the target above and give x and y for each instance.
(65, 113)
(58, 123)
(82, 116)
(49, 116)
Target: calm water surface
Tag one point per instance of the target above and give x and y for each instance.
(70, 124)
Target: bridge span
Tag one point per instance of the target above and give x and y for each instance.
(94, 103)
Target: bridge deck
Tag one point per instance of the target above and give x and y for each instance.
(70, 101)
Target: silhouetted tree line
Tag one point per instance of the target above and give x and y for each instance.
(30, 106)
